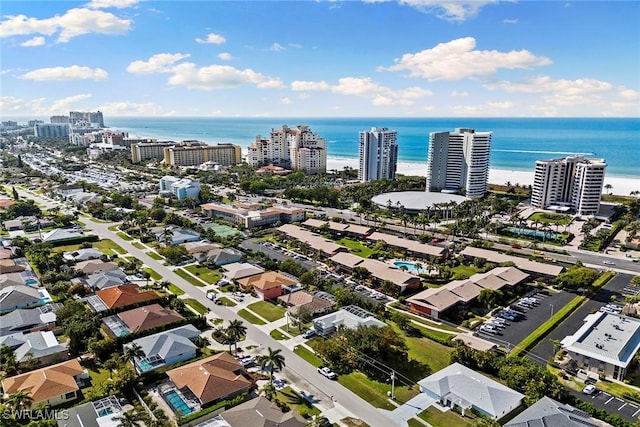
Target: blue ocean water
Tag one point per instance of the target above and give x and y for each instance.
(517, 142)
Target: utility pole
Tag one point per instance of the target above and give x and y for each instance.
(393, 385)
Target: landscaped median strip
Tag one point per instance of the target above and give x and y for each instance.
(190, 277)
(250, 317)
(543, 330)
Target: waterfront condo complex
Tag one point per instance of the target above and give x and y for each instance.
(378, 154)
(298, 149)
(569, 183)
(195, 153)
(459, 162)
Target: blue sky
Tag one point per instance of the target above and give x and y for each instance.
(415, 58)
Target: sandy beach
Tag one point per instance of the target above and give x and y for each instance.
(620, 185)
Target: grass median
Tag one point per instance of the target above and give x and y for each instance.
(550, 324)
(250, 317)
(196, 305)
(189, 278)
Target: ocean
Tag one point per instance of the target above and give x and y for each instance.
(517, 142)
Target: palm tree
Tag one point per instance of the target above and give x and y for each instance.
(167, 234)
(20, 400)
(132, 352)
(236, 331)
(128, 419)
(608, 187)
(273, 360)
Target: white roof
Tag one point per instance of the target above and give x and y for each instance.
(607, 337)
(460, 383)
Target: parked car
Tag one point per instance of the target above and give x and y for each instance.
(309, 334)
(323, 370)
(589, 390)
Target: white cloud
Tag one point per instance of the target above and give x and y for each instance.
(366, 88)
(492, 108)
(453, 11)
(219, 77)
(286, 101)
(127, 108)
(359, 86)
(36, 41)
(38, 106)
(414, 92)
(118, 4)
(544, 84)
(458, 59)
(299, 85)
(73, 23)
(159, 63)
(212, 38)
(69, 103)
(225, 56)
(501, 105)
(277, 47)
(510, 21)
(295, 45)
(74, 72)
(456, 93)
(629, 94)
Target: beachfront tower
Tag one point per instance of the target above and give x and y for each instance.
(378, 154)
(458, 162)
(569, 183)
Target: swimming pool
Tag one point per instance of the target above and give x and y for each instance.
(411, 266)
(176, 402)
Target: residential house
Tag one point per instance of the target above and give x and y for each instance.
(177, 236)
(60, 235)
(459, 294)
(222, 256)
(140, 319)
(5, 253)
(102, 279)
(10, 266)
(67, 189)
(27, 320)
(211, 380)
(258, 412)
(303, 301)
(380, 271)
(99, 413)
(119, 296)
(22, 296)
(198, 247)
(13, 225)
(458, 386)
(95, 266)
(42, 346)
(240, 270)
(605, 344)
(53, 385)
(267, 285)
(83, 254)
(549, 412)
(349, 317)
(165, 348)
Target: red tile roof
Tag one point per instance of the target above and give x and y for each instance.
(120, 296)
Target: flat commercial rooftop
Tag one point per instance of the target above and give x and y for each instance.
(415, 200)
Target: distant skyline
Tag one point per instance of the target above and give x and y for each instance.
(305, 58)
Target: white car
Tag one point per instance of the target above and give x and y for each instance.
(323, 370)
(589, 390)
(309, 334)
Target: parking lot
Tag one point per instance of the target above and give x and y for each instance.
(530, 318)
(614, 405)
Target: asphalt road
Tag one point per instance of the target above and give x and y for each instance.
(297, 368)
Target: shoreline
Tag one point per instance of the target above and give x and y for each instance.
(621, 185)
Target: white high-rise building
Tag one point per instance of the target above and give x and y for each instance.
(299, 149)
(459, 162)
(570, 182)
(378, 154)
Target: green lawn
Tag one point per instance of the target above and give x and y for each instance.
(437, 418)
(550, 218)
(67, 248)
(196, 305)
(269, 311)
(124, 236)
(297, 402)
(294, 331)
(98, 378)
(250, 317)
(175, 290)
(154, 274)
(108, 247)
(154, 255)
(204, 273)
(113, 227)
(227, 302)
(375, 392)
(355, 247)
(138, 245)
(464, 271)
(276, 334)
(308, 355)
(428, 352)
(189, 278)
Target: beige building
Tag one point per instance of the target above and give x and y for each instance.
(149, 151)
(193, 153)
